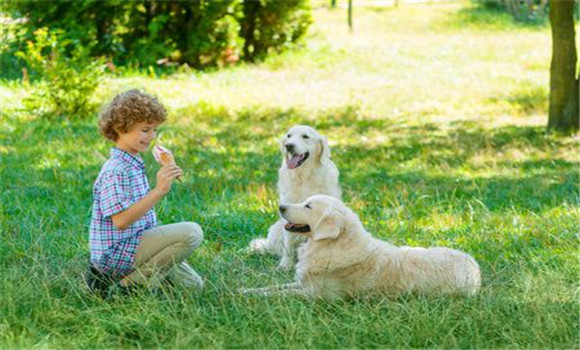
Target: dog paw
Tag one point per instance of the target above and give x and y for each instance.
(285, 265)
(258, 246)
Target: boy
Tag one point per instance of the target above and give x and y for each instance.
(127, 246)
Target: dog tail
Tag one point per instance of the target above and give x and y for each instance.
(472, 276)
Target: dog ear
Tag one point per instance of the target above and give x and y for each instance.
(329, 225)
(324, 149)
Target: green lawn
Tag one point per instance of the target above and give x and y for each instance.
(436, 117)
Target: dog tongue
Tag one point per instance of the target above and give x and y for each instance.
(293, 162)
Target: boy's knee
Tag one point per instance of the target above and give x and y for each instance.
(194, 233)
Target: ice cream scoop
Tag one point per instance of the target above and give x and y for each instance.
(163, 156)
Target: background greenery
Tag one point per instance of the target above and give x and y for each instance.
(436, 117)
(198, 33)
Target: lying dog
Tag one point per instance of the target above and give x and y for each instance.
(306, 170)
(341, 259)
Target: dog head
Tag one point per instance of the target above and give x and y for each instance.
(302, 145)
(318, 217)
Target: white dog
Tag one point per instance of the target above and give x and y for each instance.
(341, 259)
(306, 170)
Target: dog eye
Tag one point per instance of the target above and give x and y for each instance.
(308, 206)
(305, 137)
(288, 136)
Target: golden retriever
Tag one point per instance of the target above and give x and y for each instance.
(342, 259)
(307, 169)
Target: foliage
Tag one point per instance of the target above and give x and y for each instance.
(528, 10)
(11, 40)
(270, 25)
(64, 76)
(198, 33)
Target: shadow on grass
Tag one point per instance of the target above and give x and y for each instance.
(487, 15)
(526, 99)
(442, 165)
(229, 187)
(231, 164)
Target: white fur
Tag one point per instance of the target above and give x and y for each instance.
(317, 175)
(342, 259)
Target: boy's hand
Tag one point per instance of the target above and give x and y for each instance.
(165, 177)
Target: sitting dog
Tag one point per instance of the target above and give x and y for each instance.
(306, 170)
(341, 259)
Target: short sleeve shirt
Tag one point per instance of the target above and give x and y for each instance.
(121, 183)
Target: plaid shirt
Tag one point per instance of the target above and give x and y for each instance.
(121, 183)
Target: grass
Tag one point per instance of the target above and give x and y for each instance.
(436, 120)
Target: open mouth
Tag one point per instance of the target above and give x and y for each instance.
(296, 160)
(299, 228)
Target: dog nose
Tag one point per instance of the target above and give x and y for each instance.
(282, 209)
(289, 147)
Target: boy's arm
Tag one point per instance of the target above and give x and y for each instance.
(128, 217)
(165, 176)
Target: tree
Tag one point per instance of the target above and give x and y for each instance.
(564, 92)
(350, 15)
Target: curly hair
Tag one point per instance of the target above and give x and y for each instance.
(126, 110)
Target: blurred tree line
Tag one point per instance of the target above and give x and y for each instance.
(199, 33)
(61, 48)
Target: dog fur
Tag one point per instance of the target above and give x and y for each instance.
(341, 259)
(297, 180)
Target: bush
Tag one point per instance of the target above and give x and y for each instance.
(63, 76)
(199, 33)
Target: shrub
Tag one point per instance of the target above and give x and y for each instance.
(63, 75)
(200, 33)
(193, 32)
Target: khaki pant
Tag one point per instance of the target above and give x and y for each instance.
(162, 254)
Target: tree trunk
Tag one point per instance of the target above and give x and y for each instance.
(564, 93)
(350, 15)
(248, 27)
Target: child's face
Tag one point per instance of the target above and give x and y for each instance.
(138, 138)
